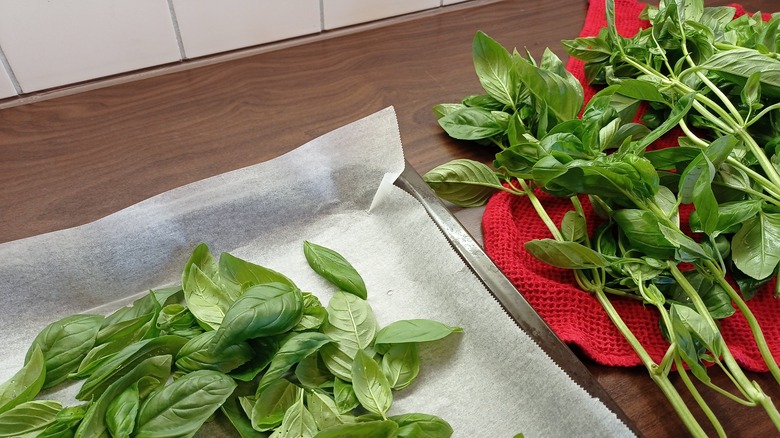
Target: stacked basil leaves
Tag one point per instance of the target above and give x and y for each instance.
(236, 340)
(697, 68)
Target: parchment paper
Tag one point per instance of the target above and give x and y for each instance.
(490, 381)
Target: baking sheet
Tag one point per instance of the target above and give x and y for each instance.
(336, 191)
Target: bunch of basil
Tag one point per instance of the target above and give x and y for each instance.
(237, 338)
(696, 68)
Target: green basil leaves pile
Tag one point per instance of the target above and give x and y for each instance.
(696, 68)
(236, 340)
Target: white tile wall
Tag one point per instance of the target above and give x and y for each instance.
(6, 86)
(51, 43)
(208, 26)
(340, 13)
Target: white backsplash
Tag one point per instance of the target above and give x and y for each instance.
(52, 43)
(341, 13)
(207, 26)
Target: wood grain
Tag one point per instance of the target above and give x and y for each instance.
(71, 160)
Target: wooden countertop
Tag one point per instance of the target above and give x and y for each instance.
(69, 160)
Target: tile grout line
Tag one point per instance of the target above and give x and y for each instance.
(10, 72)
(176, 30)
(322, 15)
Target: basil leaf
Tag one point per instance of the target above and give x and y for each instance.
(704, 199)
(335, 268)
(731, 214)
(698, 326)
(196, 355)
(371, 386)
(314, 314)
(401, 365)
(641, 90)
(98, 356)
(679, 110)
(26, 383)
(421, 426)
(156, 368)
(298, 422)
(374, 429)
(444, 109)
(246, 274)
(167, 295)
(294, 349)
(671, 158)
(414, 330)
(28, 419)
(562, 93)
(643, 232)
(687, 249)
(263, 310)
(484, 101)
(312, 373)
(183, 406)
(122, 412)
(689, 349)
(716, 298)
(344, 396)
(175, 319)
(64, 344)
(751, 92)
(238, 420)
(202, 259)
(143, 306)
(205, 299)
(589, 49)
(127, 331)
(352, 325)
(271, 404)
(567, 255)
(755, 248)
(324, 410)
(495, 70)
(127, 360)
(573, 226)
(65, 422)
(265, 349)
(739, 64)
(463, 182)
(471, 124)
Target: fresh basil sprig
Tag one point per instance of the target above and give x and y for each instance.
(237, 339)
(695, 68)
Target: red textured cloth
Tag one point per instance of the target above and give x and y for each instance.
(576, 316)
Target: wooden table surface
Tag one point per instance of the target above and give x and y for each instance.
(69, 160)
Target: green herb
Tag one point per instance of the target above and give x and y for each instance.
(180, 408)
(401, 364)
(29, 418)
(64, 344)
(25, 384)
(237, 339)
(697, 69)
(352, 326)
(371, 386)
(335, 268)
(123, 411)
(263, 310)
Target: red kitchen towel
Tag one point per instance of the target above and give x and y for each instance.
(574, 315)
